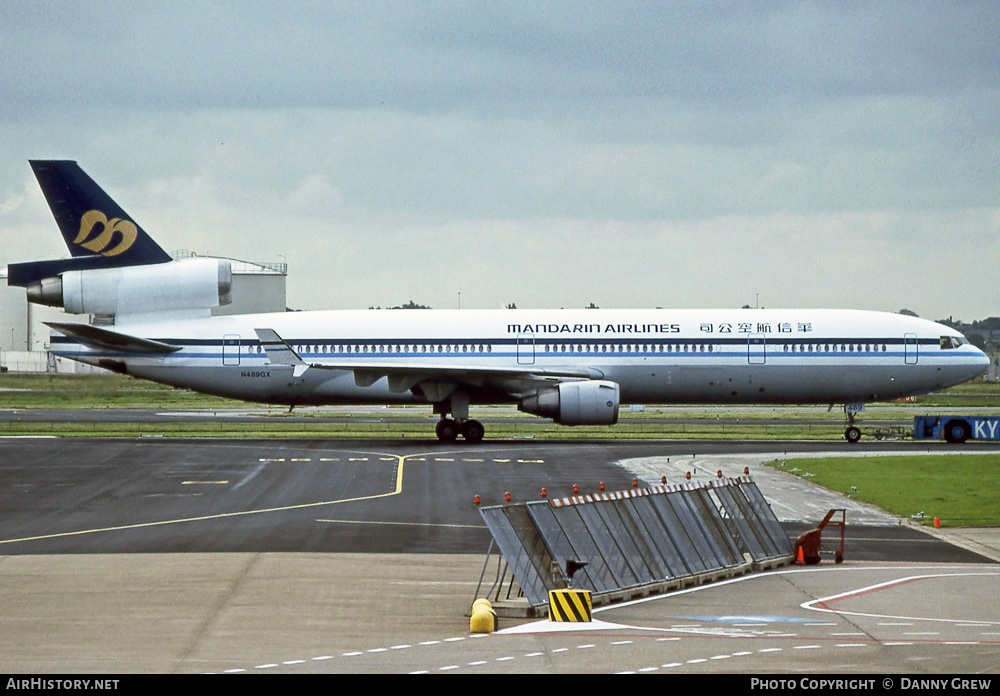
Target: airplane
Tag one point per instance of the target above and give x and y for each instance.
(574, 366)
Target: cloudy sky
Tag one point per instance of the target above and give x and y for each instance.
(551, 154)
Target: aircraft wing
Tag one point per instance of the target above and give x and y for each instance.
(405, 374)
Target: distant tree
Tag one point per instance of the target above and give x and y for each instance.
(411, 305)
(512, 306)
(591, 306)
(978, 340)
(908, 313)
(990, 324)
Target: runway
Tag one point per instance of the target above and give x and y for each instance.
(297, 556)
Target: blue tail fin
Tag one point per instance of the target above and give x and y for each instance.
(97, 231)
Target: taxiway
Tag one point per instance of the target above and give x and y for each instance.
(363, 556)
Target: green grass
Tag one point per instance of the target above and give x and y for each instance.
(25, 392)
(960, 489)
(99, 391)
(361, 427)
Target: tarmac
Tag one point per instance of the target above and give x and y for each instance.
(984, 541)
(301, 613)
(261, 611)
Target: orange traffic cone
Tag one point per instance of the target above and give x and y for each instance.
(800, 557)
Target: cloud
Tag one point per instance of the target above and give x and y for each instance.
(551, 154)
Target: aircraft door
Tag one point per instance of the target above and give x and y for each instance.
(526, 349)
(231, 349)
(911, 349)
(756, 349)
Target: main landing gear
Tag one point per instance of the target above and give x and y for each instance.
(448, 429)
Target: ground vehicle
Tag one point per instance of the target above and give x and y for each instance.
(956, 429)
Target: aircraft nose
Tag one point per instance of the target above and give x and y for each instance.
(980, 362)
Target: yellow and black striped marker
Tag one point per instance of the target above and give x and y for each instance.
(569, 605)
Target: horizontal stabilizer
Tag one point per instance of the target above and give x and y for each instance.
(24, 274)
(105, 339)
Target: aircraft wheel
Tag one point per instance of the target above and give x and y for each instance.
(852, 434)
(473, 431)
(447, 430)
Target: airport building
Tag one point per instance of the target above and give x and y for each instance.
(24, 337)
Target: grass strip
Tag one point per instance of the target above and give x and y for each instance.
(959, 489)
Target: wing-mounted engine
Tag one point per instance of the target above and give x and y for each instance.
(587, 402)
(200, 283)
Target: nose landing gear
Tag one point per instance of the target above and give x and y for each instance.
(852, 433)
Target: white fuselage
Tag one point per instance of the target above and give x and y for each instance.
(656, 356)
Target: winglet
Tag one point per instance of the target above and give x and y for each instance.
(279, 352)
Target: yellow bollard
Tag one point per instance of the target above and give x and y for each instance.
(484, 619)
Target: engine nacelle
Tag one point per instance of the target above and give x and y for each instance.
(189, 284)
(590, 402)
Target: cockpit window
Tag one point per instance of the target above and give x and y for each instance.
(949, 342)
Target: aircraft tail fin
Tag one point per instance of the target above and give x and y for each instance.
(98, 233)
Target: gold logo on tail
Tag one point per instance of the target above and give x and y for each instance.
(102, 242)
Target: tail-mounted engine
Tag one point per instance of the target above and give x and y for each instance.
(589, 402)
(200, 283)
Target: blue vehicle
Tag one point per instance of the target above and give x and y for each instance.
(956, 429)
